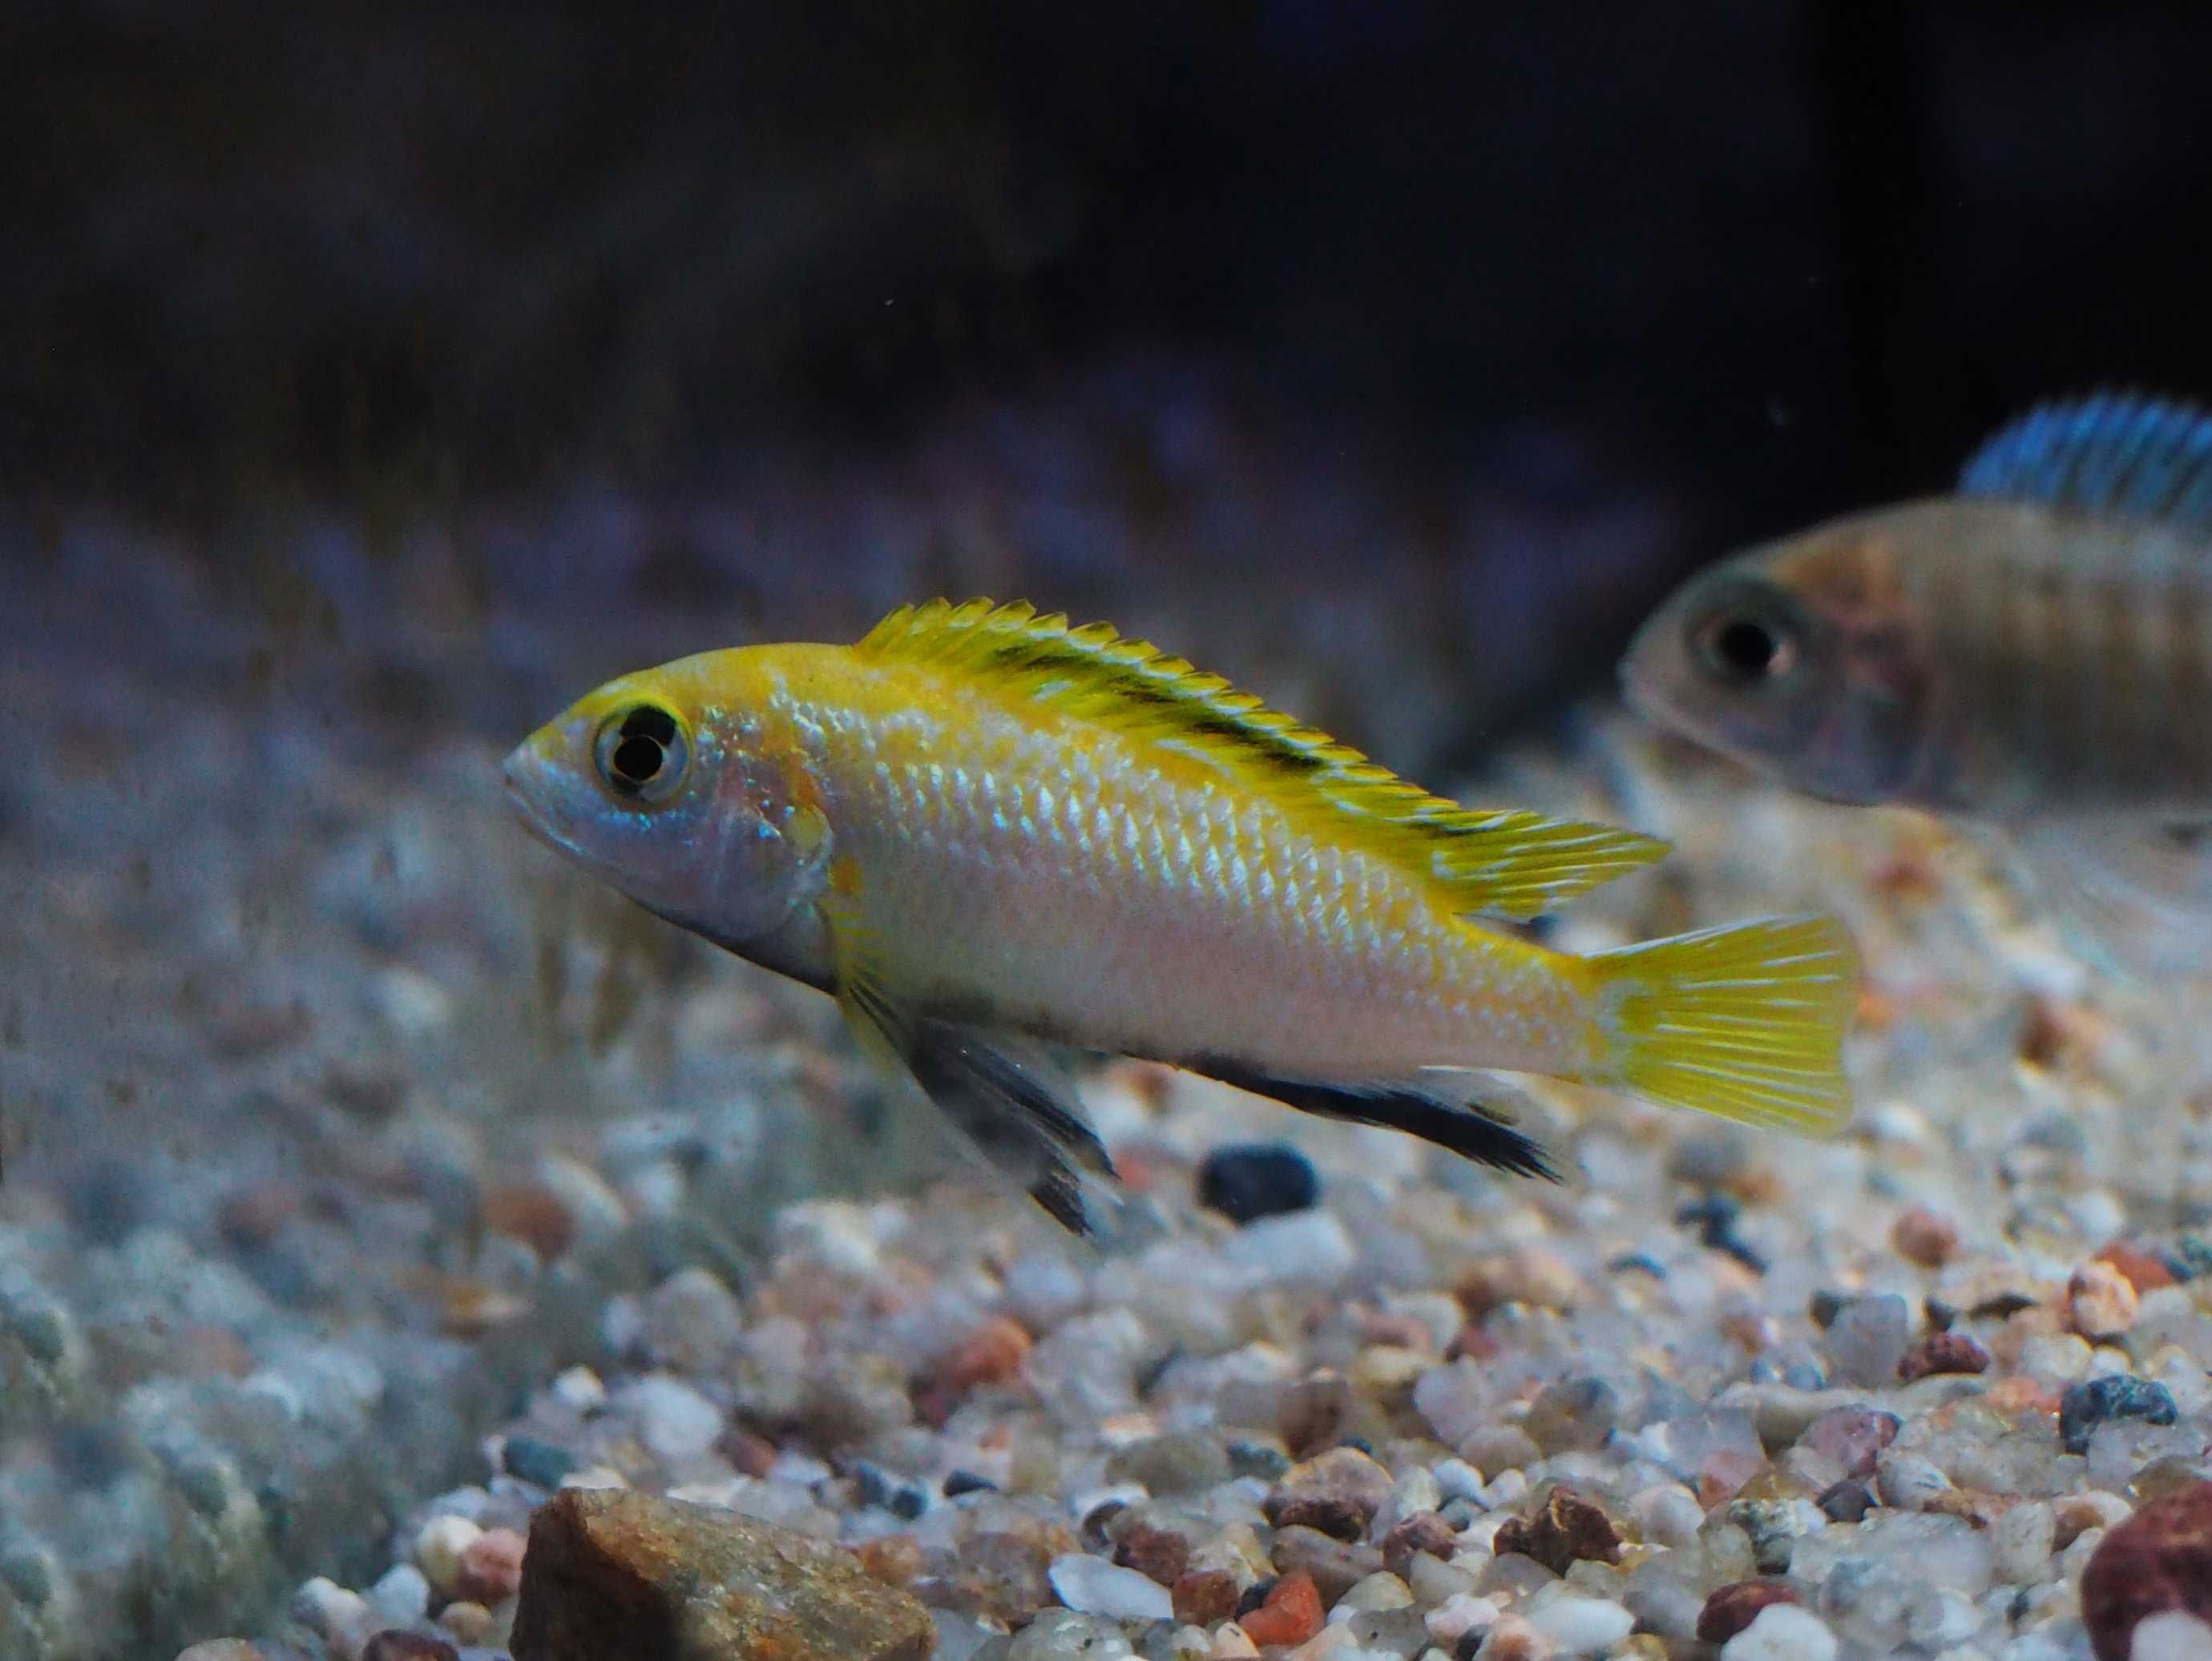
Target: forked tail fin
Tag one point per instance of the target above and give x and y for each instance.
(1746, 1021)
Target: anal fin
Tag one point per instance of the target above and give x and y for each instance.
(2133, 899)
(1465, 1129)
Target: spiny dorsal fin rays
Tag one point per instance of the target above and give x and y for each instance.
(1508, 863)
(2120, 453)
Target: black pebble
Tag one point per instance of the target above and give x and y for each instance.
(966, 1481)
(1249, 1180)
(1254, 1595)
(536, 1461)
(2116, 1396)
(1249, 1459)
(1847, 1501)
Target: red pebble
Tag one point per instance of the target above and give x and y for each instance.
(1731, 1608)
(2159, 1559)
(992, 1354)
(491, 1567)
(1292, 1615)
(2144, 1272)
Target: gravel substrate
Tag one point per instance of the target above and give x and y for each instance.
(1721, 1392)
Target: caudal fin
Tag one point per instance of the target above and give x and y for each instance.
(1746, 1020)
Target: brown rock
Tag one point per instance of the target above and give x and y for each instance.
(394, 1645)
(1943, 1352)
(491, 1567)
(749, 1455)
(1427, 1532)
(1569, 1530)
(1157, 1553)
(2159, 1559)
(1334, 1566)
(1731, 1608)
(2144, 1272)
(613, 1571)
(1337, 1493)
(894, 1559)
(1204, 1597)
(1291, 1614)
(1924, 1237)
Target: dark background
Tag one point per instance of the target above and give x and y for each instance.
(1735, 264)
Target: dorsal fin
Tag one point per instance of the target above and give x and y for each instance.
(2119, 454)
(1511, 864)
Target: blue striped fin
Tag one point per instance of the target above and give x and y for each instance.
(2120, 453)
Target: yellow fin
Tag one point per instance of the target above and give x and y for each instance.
(1511, 864)
(1746, 1020)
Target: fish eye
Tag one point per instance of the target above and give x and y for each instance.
(1745, 645)
(642, 754)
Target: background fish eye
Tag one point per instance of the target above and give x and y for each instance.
(641, 753)
(1743, 644)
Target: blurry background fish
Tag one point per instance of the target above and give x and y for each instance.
(2034, 652)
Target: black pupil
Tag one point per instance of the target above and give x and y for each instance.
(641, 746)
(1744, 647)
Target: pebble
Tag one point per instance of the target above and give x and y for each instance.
(1068, 1635)
(607, 1570)
(1291, 1614)
(1303, 1248)
(1865, 1341)
(1853, 1437)
(1924, 1237)
(1336, 1494)
(1944, 1352)
(1729, 1610)
(1568, 1529)
(393, 1644)
(2172, 1635)
(1179, 1462)
(402, 1595)
(1092, 1586)
(2158, 1560)
(674, 1420)
(1250, 1180)
(2116, 1395)
(1581, 1626)
(2100, 1302)
(540, 1462)
(438, 1549)
(1782, 1632)
(341, 1618)
(490, 1567)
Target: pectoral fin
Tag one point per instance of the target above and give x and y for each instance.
(1475, 1131)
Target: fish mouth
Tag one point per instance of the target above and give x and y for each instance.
(513, 782)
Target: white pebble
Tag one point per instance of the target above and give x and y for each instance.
(1670, 1514)
(1582, 1625)
(1458, 1480)
(579, 1388)
(1092, 1586)
(2171, 1635)
(673, 1420)
(331, 1612)
(438, 1547)
(402, 1596)
(1782, 1631)
(2055, 1357)
(2024, 1538)
(1456, 1617)
(1306, 1248)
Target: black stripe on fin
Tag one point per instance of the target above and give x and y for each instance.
(2120, 453)
(1391, 1105)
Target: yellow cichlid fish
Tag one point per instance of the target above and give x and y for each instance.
(982, 830)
